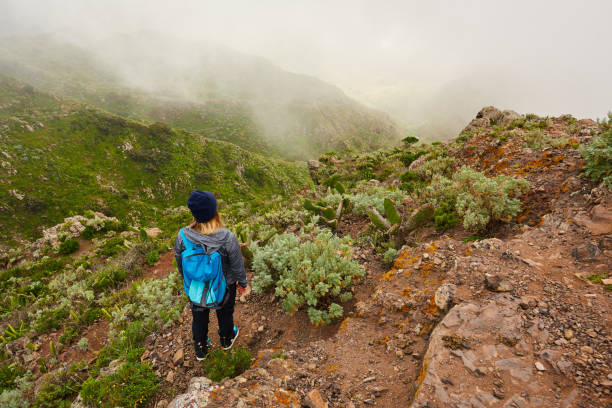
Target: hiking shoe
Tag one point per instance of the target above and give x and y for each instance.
(201, 351)
(225, 344)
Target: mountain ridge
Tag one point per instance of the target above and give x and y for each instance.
(283, 109)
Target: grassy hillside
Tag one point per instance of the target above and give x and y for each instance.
(218, 92)
(58, 157)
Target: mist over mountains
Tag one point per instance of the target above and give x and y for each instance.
(149, 76)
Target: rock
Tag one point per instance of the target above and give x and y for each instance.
(564, 366)
(586, 349)
(606, 281)
(153, 232)
(599, 222)
(161, 404)
(497, 283)
(199, 384)
(261, 328)
(170, 376)
(445, 296)
(586, 252)
(539, 366)
(498, 342)
(314, 399)
(368, 379)
(194, 399)
(314, 165)
(362, 308)
(568, 334)
(178, 356)
(591, 333)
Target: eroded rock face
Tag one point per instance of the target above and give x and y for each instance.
(481, 355)
(490, 115)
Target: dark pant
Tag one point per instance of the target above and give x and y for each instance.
(225, 316)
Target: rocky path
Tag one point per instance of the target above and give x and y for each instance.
(493, 323)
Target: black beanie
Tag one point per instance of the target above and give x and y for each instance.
(203, 205)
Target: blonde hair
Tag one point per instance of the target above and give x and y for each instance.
(210, 227)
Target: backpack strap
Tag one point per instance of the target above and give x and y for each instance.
(188, 243)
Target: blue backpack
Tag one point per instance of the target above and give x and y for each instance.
(203, 278)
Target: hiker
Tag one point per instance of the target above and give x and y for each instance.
(209, 258)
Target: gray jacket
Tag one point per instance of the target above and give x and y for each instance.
(224, 241)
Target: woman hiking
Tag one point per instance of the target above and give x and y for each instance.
(203, 245)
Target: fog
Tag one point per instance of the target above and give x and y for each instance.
(431, 65)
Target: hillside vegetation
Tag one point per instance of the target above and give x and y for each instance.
(198, 87)
(59, 158)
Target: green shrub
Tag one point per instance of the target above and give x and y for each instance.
(9, 373)
(445, 216)
(481, 199)
(313, 273)
(83, 344)
(51, 319)
(110, 276)
(389, 255)
(150, 300)
(598, 158)
(126, 342)
(410, 140)
(410, 176)
(436, 165)
(408, 157)
(465, 136)
(112, 247)
(131, 386)
(220, 364)
(15, 397)
(278, 354)
(69, 246)
(537, 139)
(70, 333)
(152, 257)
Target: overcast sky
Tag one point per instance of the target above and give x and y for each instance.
(548, 57)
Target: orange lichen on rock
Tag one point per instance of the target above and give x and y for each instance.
(431, 305)
(384, 341)
(344, 323)
(421, 376)
(426, 269)
(389, 276)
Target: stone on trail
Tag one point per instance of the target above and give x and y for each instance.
(445, 295)
(497, 283)
(586, 252)
(178, 356)
(314, 400)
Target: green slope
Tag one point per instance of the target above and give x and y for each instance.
(210, 90)
(58, 157)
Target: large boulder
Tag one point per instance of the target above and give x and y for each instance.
(482, 355)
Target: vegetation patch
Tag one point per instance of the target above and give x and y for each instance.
(220, 364)
(69, 246)
(131, 386)
(316, 273)
(598, 158)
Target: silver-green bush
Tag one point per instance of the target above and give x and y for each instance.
(483, 199)
(316, 273)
